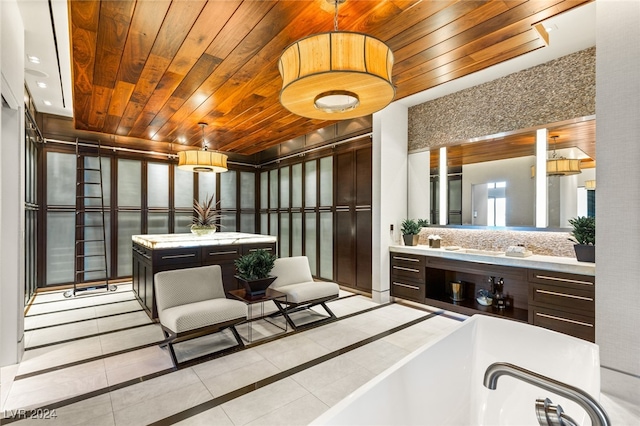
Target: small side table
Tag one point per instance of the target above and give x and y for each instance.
(243, 296)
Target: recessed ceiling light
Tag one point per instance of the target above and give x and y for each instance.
(41, 84)
(47, 103)
(33, 59)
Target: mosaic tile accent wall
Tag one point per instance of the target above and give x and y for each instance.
(558, 90)
(539, 242)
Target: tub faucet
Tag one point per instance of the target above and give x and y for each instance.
(592, 407)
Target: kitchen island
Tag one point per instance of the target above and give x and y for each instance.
(163, 252)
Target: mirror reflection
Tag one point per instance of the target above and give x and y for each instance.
(491, 181)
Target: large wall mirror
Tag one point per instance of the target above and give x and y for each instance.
(491, 181)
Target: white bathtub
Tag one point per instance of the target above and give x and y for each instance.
(442, 382)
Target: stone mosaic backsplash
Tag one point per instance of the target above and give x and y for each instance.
(539, 242)
(559, 90)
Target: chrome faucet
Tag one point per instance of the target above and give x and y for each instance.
(592, 407)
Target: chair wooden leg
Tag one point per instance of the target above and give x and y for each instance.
(237, 336)
(329, 311)
(285, 314)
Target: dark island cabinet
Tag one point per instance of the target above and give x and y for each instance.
(148, 261)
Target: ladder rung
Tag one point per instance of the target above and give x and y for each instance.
(90, 169)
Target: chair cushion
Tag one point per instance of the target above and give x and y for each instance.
(291, 270)
(201, 314)
(311, 290)
(183, 286)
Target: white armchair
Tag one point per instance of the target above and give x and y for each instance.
(294, 279)
(192, 303)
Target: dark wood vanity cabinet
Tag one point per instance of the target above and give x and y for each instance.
(558, 301)
(147, 262)
(563, 302)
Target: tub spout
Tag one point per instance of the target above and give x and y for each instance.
(592, 407)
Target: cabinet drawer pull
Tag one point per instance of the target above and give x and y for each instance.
(265, 249)
(553, 317)
(413, 287)
(408, 259)
(219, 253)
(407, 269)
(179, 256)
(572, 296)
(566, 280)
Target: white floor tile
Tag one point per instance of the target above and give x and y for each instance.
(236, 379)
(62, 354)
(135, 364)
(228, 363)
(215, 416)
(57, 385)
(126, 339)
(122, 321)
(61, 333)
(300, 412)
(93, 411)
(156, 408)
(336, 391)
(263, 401)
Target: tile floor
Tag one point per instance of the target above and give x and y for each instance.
(95, 360)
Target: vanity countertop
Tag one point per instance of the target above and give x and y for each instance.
(165, 241)
(548, 263)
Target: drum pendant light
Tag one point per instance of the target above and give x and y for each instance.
(336, 75)
(560, 166)
(202, 160)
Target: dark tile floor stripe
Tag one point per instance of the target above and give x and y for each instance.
(89, 395)
(427, 308)
(88, 336)
(200, 408)
(88, 296)
(83, 320)
(84, 361)
(131, 382)
(82, 307)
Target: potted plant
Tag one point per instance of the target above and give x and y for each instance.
(423, 223)
(584, 235)
(204, 219)
(410, 230)
(253, 271)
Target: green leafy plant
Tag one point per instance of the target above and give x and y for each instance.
(205, 213)
(410, 227)
(584, 230)
(423, 223)
(255, 265)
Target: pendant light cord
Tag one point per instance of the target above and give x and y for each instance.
(335, 17)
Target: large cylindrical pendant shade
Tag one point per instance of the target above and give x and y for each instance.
(202, 161)
(336, 76)
(563, 167)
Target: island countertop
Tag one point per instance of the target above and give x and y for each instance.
(548, 263)
(165, 241)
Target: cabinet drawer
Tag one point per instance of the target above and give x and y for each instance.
(562, 279)
(214, 255)
(177, 256)
(407, 290)
(409, 267)
(560, 297)
(576, 325)
(141, 251)
(270, 247)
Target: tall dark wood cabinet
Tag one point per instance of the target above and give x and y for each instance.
(352, 189)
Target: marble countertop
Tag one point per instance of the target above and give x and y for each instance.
(164, 241)
(547, 263)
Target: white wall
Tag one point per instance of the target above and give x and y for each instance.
(390, 141)
(11, 185)
(618, 192)
(418, 185)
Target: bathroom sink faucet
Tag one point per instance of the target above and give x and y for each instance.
(596, 412)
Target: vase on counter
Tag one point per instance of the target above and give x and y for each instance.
(202, 230)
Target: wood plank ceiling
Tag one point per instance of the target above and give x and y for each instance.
(153, 69)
